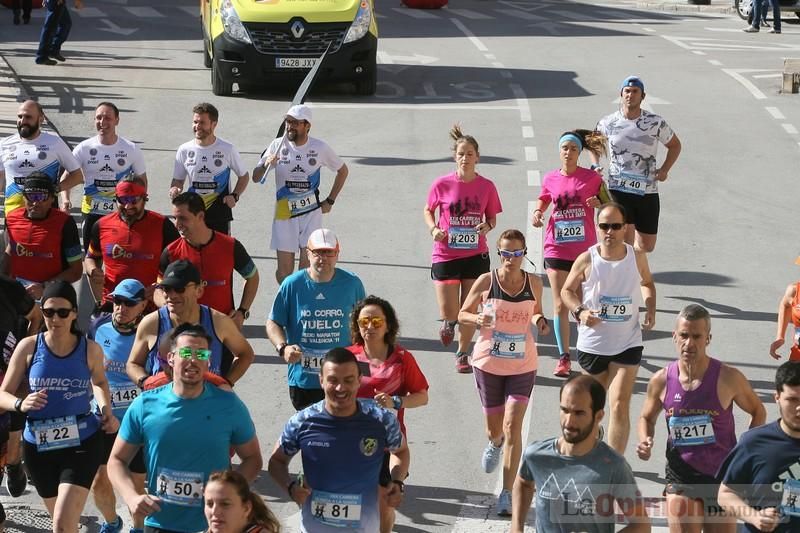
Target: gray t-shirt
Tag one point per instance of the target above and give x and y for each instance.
(578, 493)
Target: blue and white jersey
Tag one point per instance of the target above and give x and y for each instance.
(116, 347)
(105, 165)
(342, 459)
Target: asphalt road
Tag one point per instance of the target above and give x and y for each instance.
(515, 74)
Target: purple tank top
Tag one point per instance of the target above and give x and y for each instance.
(699, 428)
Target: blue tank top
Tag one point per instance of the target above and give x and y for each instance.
(116, 348)
(68, 383)
(153, 366)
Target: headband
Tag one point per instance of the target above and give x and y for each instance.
(129, 188)
(571, 137)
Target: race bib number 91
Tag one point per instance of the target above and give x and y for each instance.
(302, 203)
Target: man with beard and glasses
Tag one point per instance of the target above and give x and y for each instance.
(186, 429)
(215, 255)
(43, 243)
(33, 150)
(578, 479)
(106, 159)
(298, 159)
(761, 475)
(208, 162)
(127, 243)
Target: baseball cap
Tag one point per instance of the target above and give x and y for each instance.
(179, 274)
(323, 239)
(39, 182)
(300, 112)
(632, 81)
(130, 289)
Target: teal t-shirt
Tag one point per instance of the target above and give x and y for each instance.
(316, 316)
(184, 441)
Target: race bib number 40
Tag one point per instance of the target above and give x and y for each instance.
(180, 487)
(570, 231)
(691, 430)
(461, 238)
(337, 510)
(630, 183)
(56, 433)
(616, 308)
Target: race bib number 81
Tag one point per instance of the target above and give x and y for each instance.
(337, 510)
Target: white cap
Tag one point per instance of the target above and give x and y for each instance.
(323, 239)
(300, 112)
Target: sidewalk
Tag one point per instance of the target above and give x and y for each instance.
(715, 6)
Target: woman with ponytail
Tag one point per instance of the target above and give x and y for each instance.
(574, 192)
(231, 507)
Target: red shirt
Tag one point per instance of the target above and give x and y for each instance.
(41, 249)
(216, 260)
(130, 251)
(398, 375)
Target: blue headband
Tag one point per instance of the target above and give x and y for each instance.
(632, 81)
(571, 137)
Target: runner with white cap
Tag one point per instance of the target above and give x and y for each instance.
(298, 159)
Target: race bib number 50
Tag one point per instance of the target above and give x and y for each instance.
(180, 487)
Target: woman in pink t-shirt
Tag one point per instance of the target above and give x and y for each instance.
(467, 205)
(574, 192)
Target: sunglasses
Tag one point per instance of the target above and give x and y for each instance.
(201, 354)
(511, 253)
(376, 321)
(36, 196)
(62, 312)
(616, 226)
(125, 302)
(323, 253)
(176, 290)
(126, 200)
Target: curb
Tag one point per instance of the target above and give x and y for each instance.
(691, 8)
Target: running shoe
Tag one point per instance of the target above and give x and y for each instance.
(773, 30)
(114, 527)
(504, 503)
(491, 457)
(750, 29)
(16, 480)
(563, 367)
(447, 332)
(463, 365)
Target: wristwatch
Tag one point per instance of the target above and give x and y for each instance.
(235, 196)
(330, 200)
(245, 312)
(577, 312)
(400, 484)
(281, 347)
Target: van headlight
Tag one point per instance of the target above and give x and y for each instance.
(232, 24)
(360, 25)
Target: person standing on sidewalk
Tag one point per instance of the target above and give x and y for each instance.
(55, 30)
(759, 17)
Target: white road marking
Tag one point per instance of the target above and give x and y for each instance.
(415, 13)
(411, 107)
(527, 132)
(534, 180)
(471, 36)
(762, 76)
(534, 240)
(790, 129)
(523, 105)
(675, 40)
(518, 14)
(698, 52)
(776, 113)
(651, 30)
(468, 13)
(531, 153)
(497, 64)
(715, 62)
(747, 84)
(490, 57)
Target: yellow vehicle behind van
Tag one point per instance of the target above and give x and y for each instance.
(256, 43)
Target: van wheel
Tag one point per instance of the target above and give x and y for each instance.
(206, 55)
(219, 85)
(367, 85)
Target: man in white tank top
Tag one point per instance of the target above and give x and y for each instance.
(605, 289)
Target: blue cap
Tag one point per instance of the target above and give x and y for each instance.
(130, 289)
(632, 81)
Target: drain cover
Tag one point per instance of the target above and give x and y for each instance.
(27, 519)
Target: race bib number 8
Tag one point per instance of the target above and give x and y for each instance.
(508, 346)
(337, 510)
(461, 238)
(616, 308)
(302, 203)
(56, 433)
(691, 430)
(570, 231)
(179, 487)
(630, 183)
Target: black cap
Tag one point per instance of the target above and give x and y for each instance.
(180, 273)
(39, 182)
(60, 289)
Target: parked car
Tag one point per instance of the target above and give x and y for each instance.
(745, 8)
(257, 43)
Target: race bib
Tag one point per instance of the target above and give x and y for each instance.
(790, 501)
(302, 203)
(630, 183)
(507, 345)
(462, 238)
(312, 361)
(56, 433)
(180, 488)
(103, 206)
(691, 430)
(204, 187)
(615, 308)
(570, 231)
(123, 395)
(337, 510)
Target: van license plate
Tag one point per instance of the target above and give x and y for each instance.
(295, 62)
